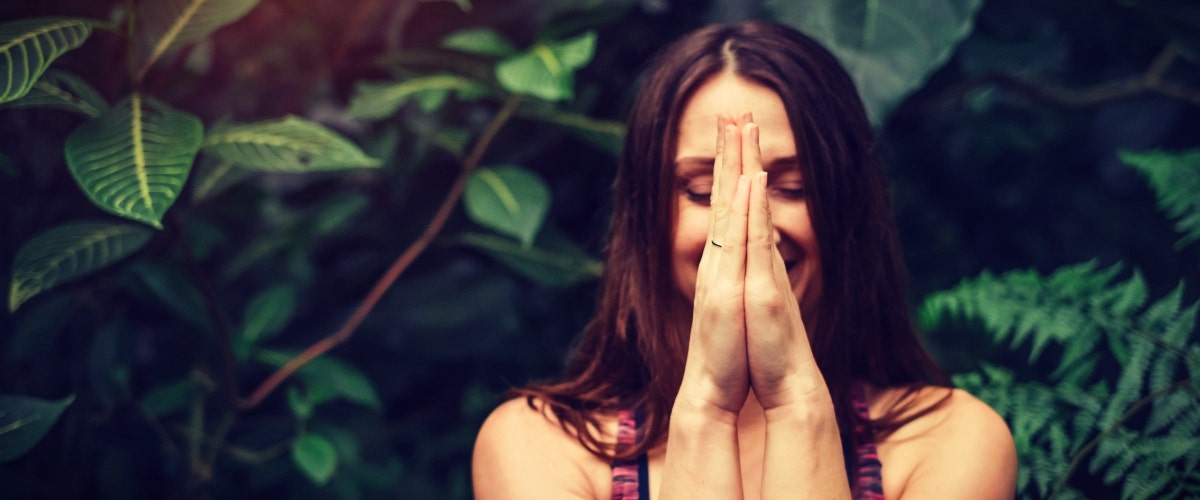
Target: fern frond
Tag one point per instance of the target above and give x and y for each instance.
(1175, 179)
(1168, 409)
(1021, 305)
(1114, 456)
(1133, 378)
(1147, 481)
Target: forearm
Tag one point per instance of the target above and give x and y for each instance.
(702, 454)
(803, 455)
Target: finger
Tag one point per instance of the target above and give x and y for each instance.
(728, 170)
(751, 153)
(731, 271)
(761, 253)
(716, 195)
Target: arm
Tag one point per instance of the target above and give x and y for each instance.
(702, 458)
(803, 450)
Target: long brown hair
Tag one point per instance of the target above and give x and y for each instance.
(632, 352)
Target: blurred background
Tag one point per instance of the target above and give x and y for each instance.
(1012, 133)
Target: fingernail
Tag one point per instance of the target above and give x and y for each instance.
(748, 117)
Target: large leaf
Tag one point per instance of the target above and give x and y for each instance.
(288, 144)
(134, 159)
(510, 200)
(889, 47)
(1175, 179)
(62, 90)
(315, 456)
(380, 100)
(547, 69)
(27, 48)
(168, 25)
(70, 251)
(24, 421)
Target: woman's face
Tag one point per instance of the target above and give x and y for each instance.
(732, 95)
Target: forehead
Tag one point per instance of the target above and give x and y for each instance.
(733, 95)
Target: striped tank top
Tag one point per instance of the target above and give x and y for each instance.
(631, 477)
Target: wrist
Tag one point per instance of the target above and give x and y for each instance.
(694, 411)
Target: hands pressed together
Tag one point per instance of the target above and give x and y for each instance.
(746, 331)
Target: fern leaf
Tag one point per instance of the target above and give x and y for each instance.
(1021, 305)
(1168, 409)
(1175, 179)
(1115, 456)
(1129, 386)
(1147, 481)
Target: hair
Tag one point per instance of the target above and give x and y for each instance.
(632, 353)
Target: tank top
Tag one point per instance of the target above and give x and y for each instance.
(631, 477)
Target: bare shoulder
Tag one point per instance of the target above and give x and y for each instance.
(960, 449)
(522, 452)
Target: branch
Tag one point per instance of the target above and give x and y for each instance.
(1149, 82)
(410, 254)
(1077, 460)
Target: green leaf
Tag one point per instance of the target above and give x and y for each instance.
(24, 421)
(268, 312)
(510, 200)
(329, 374)
(547, 70)
(62, 90)
(315, 456)
(168, 25)
(481, 41)
(27, 48)
(554, 268)
(889, 47)
(169, 398)
(1175, 179)
(133, 160)
(289, 144)
(67, 252)
(380, 100)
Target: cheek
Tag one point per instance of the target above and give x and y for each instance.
(687, 245)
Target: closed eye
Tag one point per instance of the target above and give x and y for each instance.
(700, 196)
(788, 192)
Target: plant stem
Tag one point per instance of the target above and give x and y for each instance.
(1077, 460)
(401, 263)
(216, 314)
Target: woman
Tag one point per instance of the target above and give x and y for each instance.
(752, 309)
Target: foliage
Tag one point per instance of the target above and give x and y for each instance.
(352, 225)
(1076, 414)
(1176, 179)
(23, 422)
(888, 47)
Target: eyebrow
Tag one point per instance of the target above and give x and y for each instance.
(690, 163)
